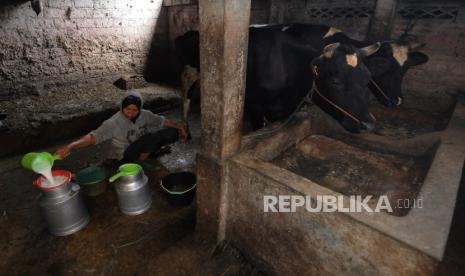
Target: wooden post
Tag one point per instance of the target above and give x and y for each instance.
(224, 28)
(382, 20)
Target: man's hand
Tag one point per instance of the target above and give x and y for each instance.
(183, 133)
(63, 151)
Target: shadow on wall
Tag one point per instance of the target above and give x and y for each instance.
(5, 4)
(12, 2)
(162, 65)
(452, 263)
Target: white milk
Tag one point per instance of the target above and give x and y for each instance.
(57, 180)
(45, 169)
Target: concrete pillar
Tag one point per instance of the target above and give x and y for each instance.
(223, 26)
(382, 20)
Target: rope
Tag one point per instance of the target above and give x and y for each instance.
(307, 98)
(380, 90)
(335, 105)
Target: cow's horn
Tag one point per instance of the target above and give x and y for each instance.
(370, 49)
(329, 49)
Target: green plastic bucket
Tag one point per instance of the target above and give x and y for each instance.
(92, 180)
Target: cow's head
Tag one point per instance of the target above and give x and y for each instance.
(388, 67)
(340, 87)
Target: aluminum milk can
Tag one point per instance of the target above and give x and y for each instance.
(132, 189)
(62, 205)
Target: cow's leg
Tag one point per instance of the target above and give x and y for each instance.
(273, 105)
(274, 110)
(257, 117)
(190, 82)
(255, 114)
(185, 110)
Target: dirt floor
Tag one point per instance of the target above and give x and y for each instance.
(158, 242)
(161, 241)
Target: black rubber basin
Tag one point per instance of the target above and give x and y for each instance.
(179, 188)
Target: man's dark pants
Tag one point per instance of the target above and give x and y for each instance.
(150, 143)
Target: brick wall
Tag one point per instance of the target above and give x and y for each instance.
(75, 42)
(183, 15)
(441, 25)
(351, 16)
(80, 42)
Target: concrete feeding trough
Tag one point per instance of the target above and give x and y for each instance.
(415, 157)
(351, 170)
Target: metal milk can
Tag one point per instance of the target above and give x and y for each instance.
(62, 205)
(132, 189)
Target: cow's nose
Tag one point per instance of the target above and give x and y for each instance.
(368, 126)
(390, 102)
(372, 116)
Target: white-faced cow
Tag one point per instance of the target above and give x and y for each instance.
(387, 66)
(281, 71)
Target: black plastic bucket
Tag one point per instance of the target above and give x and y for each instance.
(179, 188)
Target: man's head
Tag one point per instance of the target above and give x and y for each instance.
(130, 106)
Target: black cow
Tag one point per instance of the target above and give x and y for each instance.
(281, 70)
(387, 66)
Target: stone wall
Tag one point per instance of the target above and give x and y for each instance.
(77, 43)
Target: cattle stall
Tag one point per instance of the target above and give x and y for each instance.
(326, 185)
(409, 157)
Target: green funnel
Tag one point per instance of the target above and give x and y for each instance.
(37, 161)
(126, 170)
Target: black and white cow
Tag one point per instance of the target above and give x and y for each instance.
(281, 71)
(387, 66)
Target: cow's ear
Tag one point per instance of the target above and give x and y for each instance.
(378, 65)
(416, 58)
(329, 49)
(370, 49)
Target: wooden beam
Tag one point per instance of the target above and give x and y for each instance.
(382, 20)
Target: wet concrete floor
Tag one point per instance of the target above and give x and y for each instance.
(159, 242)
